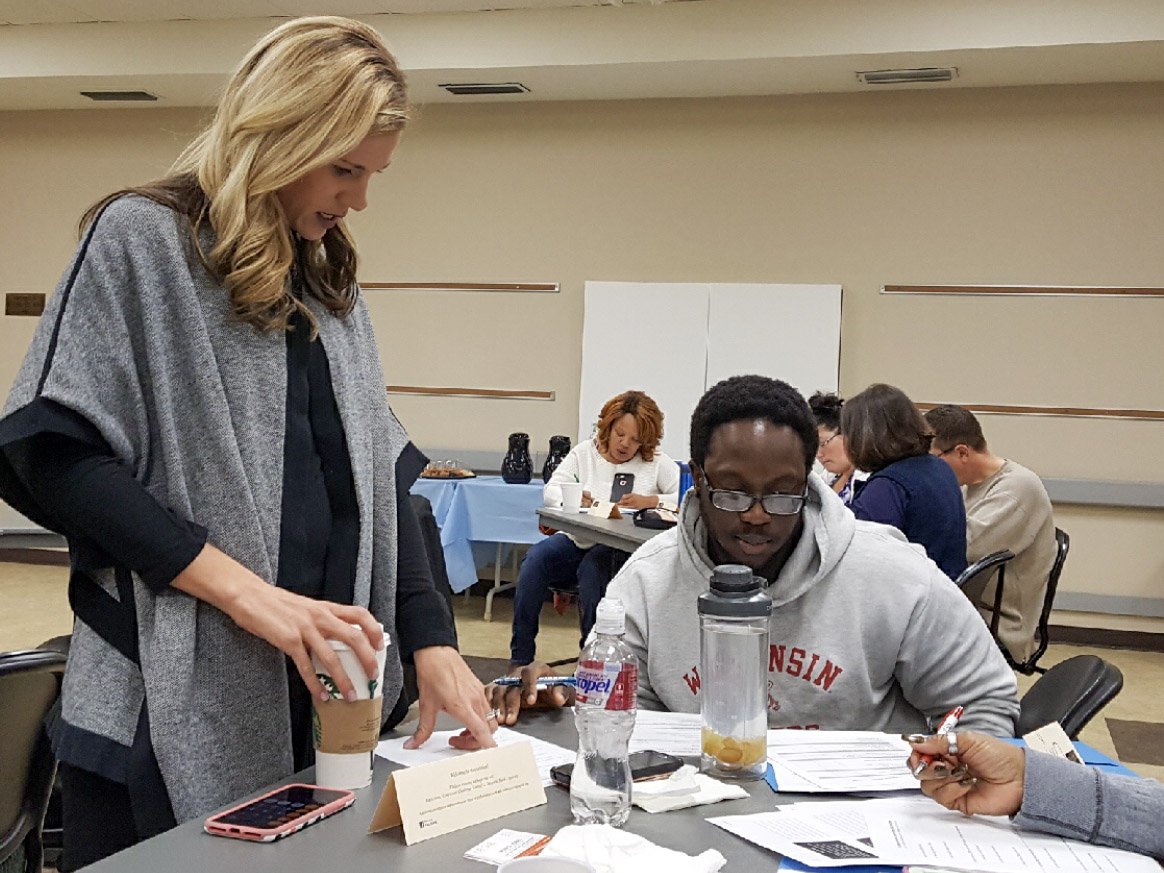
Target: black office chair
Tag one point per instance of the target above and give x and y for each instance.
(981, 569)
(1030, 665)
(1071, 693)
(30, 683)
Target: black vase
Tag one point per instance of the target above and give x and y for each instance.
(517, 468)
(559, 448)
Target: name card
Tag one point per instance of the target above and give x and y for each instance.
(1052, 739)
(445, 796)
(604, 509)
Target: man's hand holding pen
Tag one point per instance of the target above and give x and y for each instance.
(532, 686)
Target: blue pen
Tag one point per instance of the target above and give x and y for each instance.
(543, 681)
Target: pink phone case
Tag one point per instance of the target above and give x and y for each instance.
(219, 828)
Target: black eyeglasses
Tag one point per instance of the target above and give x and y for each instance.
(740, 501)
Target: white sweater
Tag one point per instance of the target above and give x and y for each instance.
(657, 477)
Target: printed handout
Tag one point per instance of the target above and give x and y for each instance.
(437, 748)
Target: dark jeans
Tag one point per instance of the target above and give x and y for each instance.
(556, 562)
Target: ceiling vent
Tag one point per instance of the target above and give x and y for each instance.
(471, 88)
(116, 96)
(908, 77)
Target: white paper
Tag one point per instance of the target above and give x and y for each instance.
(505, 845)
(677, 733)
(1053, 740)
(683, 789)
(809, 841)
(931, 834)
(839, 761)
(437, 748)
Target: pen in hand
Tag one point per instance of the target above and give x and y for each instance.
(948, 723)
(542, 682)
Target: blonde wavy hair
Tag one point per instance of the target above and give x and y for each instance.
(308, 93)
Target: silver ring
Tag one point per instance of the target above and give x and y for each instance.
(494, 715)
(952, 739)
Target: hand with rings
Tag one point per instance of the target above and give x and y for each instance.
(971, 773)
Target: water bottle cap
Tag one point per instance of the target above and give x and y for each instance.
(611, 616)
(734, 580)
(735, 593)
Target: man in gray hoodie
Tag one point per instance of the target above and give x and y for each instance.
(866, 634)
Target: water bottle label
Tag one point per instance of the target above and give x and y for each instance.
(611, 685)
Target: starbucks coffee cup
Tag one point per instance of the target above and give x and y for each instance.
(345, 733)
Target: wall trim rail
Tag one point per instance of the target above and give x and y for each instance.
(495, 393)
(548, 287)
(1023, 290)
(1063, 411)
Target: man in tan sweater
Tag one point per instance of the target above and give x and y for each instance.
(1006, 508)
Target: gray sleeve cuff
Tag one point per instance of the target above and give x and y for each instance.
(1060, 797)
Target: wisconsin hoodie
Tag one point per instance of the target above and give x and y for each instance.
(866, 632)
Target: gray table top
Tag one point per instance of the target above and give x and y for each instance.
(618, 533)
(342, 843)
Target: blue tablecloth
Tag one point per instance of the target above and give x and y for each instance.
(482, 510)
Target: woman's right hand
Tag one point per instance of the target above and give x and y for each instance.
(296, 625)
(587, 499)
(985, 777)
(508, 701)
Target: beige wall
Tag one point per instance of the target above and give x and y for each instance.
(1011, 186)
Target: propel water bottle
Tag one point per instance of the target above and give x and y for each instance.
(607, 681)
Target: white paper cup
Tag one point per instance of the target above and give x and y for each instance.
(538, 864)
(348, 770)
(571, 496)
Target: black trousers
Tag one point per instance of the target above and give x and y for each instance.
(97, 818)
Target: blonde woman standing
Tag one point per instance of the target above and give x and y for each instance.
(203, 415)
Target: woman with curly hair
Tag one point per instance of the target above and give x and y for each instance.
(627, 442)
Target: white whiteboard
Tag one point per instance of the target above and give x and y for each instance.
(648, 337)
(788, 332)
(675, 340)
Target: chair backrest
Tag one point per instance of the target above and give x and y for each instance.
(1062, 546)
(983, 567)
(30, 683)
(1071, 693)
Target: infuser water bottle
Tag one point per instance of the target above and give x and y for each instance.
(733, 673)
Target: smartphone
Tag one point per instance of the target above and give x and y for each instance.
(279, 813)
(624, 484)
(644, 766)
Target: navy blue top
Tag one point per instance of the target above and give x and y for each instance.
(920, 497)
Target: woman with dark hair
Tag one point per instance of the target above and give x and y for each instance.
(627, 442)
(831, 453)
(886, 435)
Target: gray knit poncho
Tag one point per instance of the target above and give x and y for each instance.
(140, 341)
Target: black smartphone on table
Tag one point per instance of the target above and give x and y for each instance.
(644, 766)
(624, 484)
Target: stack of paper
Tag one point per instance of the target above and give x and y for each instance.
(839, 761)
(917, 831)
(505, 845)
(437, 748)
(677, 733)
